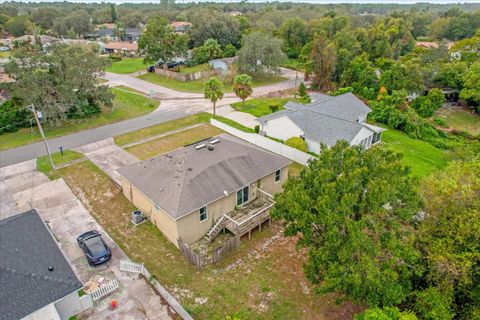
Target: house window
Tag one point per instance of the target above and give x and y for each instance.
(242, 196)
(277, 175)
(203, 214)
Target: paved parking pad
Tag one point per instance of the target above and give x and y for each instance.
(107, 156)
(67, 218)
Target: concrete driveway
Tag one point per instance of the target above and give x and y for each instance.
(67, 218)
(107, 156)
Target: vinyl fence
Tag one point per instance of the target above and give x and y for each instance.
(129, 266)
(104, 290)
(265, 143)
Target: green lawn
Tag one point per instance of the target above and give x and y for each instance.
(125, 106)
(198, 85)
(261, 106)
(127, 65)
(197, 68)
(460, 119)
(420, 156)
(43, 163)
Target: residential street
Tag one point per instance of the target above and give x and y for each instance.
(174, 104)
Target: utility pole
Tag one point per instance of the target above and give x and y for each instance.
(39, 124)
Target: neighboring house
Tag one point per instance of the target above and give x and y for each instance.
(132, 34)
(325, 121)
(222, 65)
(45, 40)
(36, 280)
(196, 191)
(180, 26)
(121, 47)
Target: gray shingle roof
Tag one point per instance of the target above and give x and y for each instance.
(327, 120)
(323, 128)
(184, 180)
(27, 250)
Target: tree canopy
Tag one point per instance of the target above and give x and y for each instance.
(353, 210)
(260, 53)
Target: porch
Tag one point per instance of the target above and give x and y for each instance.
(246, 217)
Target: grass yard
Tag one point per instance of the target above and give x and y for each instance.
(125, 106)
(130, 90)
(420, 156)
(460, 119)
(263, 279)
(198, 85)
(261, 106)
(197, 68)
(127, 65)
(174, 141)
(43, 163)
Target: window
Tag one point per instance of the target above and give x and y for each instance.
(242, 196)
(203, 214)
(277, 175)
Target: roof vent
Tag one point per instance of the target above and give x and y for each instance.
(200, 146)
(210, 147)
(214, 141)
(50, 268)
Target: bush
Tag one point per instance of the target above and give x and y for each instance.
(257, 128)
(433, 305)
(208, 51)
(114, 58)
(12, 117)
(229, 51)
(302, 90)
(274, 107)
(427, 105)
(297, 143)
(387, 313)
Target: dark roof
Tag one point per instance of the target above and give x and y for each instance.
(133, 31)
(345, 106)
(185, 180)
(103, 32)
(27, 250)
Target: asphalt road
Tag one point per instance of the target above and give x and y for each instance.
(35, 150)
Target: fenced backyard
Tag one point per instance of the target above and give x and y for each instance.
(199, 259)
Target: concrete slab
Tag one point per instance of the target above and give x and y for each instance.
(108, 157)
(17, 168)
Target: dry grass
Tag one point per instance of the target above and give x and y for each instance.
(174, 141)
(263, 279)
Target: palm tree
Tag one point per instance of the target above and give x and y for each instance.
(242, 85)
(213, 91)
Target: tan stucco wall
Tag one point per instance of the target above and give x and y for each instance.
(189, 227)
(158, 217)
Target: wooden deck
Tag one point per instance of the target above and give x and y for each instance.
(251, 215)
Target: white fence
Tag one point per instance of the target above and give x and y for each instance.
(104, 290)
(129, 266)
(266, 143)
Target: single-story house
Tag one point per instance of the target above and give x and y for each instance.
(36, 280)
(180, 26)
(200, 189)
(327, 120)
(132, 34)
(121, 47)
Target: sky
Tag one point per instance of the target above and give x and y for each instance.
(307, 1)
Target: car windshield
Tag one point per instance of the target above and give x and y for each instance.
(96, 247)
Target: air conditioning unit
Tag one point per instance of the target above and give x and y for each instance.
(137, 217)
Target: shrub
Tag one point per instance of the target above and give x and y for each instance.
(432, 304)
(442, 123)
(427, 105)
(229, 50)
(297, 143)
(273, 108)
(302, 90)
(12, 117)
(114, 58)
(257, 128)
(387, 313)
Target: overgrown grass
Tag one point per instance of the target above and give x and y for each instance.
(125, 106)
(263, 279)
(420, 156)
(162, 128)
(174, 141)
(43, 163)
(260, 106)
(127, 65)
(198, 85)
(460, 119)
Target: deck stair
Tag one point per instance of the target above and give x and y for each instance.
(216, 229)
